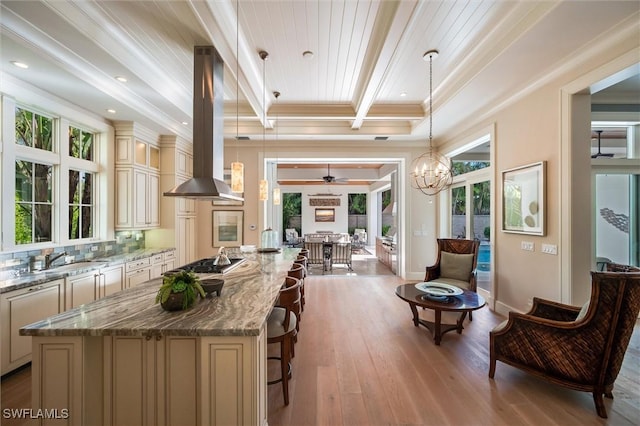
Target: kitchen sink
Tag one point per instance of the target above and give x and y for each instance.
(76, 265)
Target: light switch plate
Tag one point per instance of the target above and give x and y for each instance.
(527, 245)
(550, 249)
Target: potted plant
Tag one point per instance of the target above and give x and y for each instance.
(179, 291)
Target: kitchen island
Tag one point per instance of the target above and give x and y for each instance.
(124, 360)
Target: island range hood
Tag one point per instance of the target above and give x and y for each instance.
(208, 131)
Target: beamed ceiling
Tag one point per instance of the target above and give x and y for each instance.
(365, 77)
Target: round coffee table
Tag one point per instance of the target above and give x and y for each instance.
(466, 302)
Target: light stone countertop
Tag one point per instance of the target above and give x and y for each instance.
(42, 277)
(248, 295)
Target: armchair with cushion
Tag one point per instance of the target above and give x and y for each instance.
(581, 349)
(456, 263)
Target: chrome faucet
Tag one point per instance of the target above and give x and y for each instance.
(48, 260)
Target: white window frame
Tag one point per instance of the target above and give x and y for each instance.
(62, 163)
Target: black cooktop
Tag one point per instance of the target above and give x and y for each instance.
(206, 266)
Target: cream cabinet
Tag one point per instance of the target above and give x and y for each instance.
(81, 289)
(186, 235)
(137, 198)
(137, 177)
(85, 288)
(162, 262)
(137, 272)
(154, 379)
(22, 307)
(177, 215)
(111, 280)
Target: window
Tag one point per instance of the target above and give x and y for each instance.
(80, 204)
(56, 175)
(80, 144)
(34, 204)
(34, 130)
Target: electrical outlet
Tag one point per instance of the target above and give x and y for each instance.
(527, 245)
(94, 248)
(550, 248)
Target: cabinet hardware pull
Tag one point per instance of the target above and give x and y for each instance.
(36, 288)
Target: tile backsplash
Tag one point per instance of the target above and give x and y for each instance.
(125, 242)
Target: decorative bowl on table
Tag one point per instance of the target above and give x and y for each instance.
(212, 285)
(438, 291)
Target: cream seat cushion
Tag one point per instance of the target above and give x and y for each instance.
(276, 320)
(456, 266)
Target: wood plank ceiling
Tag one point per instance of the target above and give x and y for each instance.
(365, 78)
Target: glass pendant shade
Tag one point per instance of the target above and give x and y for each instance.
(431, 173)
(263, 190)
(276, 196)
(237, 177)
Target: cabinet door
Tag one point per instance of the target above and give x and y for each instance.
(186, 206)
(157, 263)
(153, 199)
(22, 307)
(168, 265)
(81, 289)
(186, 239)
(111, 280)
(138, 277)
(140, 199)
(124, 198)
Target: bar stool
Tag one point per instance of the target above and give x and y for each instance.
(298, 271)
(281, 328)
(302, 261)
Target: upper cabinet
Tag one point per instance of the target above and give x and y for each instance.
(137, 177)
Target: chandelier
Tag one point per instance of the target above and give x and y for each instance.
(431, 171)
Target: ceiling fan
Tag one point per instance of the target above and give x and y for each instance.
(332, 179)
(600, 154)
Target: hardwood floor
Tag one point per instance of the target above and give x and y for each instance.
(360, 361)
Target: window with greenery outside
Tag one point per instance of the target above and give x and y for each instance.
(291, 207)
(34, 186)
(80, 204)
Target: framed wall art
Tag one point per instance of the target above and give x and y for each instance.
(227, 180)
(325, 215)
(523, 199)
(227, 228)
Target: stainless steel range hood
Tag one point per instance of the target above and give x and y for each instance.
(208, 131)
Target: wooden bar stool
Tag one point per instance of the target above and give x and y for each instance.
(301, 260)
(299, 271)
(281, 328)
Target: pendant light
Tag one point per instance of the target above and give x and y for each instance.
(237, 168)
(276, 189)
(431, 171)
(263, 189)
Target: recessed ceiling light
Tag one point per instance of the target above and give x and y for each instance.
(121, 79)
(20, 64)
(111, 111)
(403, 94)
(307, 54)
(186, 123)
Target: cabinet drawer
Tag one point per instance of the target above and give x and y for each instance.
(170, 255)
(137, 264)
(158, 258)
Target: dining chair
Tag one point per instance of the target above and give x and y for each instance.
(282, 328)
